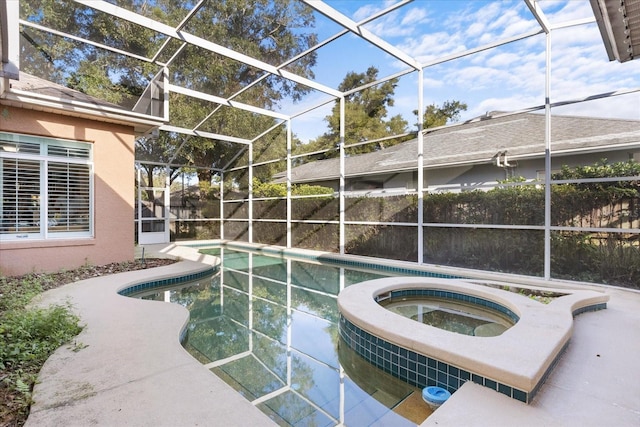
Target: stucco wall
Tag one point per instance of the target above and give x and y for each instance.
(113, 154)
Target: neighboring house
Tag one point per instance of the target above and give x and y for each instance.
(479, 153)
(67, 177)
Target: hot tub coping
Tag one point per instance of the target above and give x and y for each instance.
(521, 357)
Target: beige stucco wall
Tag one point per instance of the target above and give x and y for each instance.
(113, 155)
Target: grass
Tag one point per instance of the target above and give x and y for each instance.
(27, 337)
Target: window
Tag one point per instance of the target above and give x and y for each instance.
(46, 188)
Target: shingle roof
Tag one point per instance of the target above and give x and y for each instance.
(478, 141)
(40, 94)
(33, 84)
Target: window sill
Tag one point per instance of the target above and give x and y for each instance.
(51, 243)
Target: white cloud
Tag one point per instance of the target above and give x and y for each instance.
(415, 16)
(405, 22)
(503, 59)
(509, 77)
(569, 11)
(430, 83)
(365, 11)
(434, 45)
(507, 103)
(619, 107)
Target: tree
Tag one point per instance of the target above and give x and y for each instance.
(435, 116)
(269, 30)
(97, 72)
(272, 31)
(365, 115)
(161, 148)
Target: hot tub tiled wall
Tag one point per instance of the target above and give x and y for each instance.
(416, 369)
(423, 371)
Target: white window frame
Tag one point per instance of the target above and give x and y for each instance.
(43, 158)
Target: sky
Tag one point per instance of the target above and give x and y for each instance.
(507, 78)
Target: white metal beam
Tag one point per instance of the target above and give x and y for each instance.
(223, 101)
(355, 28)
(482, 48)
(159, 27)
(227, 166)
(537, 12)
(9, 17)
(268, 130)
(208, 135)
(89, 42)
(179, 27)
(547, 161)
(324, 43)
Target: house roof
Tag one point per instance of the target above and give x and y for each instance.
(619, 24)
(35, 93)
(520, 136)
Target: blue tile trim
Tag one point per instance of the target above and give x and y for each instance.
(330, 260)
(441, 293)
(419, 370)
(549, 369)
(143, 286)
(594, 307)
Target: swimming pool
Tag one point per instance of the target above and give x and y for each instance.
(269, 327)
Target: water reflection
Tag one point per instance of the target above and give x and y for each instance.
(269, 328)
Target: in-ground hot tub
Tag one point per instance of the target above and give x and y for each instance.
(463, 315)
(514, 363)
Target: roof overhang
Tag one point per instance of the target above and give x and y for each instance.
(619, 24)
(533, 155)
(141, 123)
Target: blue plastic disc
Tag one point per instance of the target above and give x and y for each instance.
(436, 395)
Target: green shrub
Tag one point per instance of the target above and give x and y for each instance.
(269, 189)
(28, 336)
(310, 190)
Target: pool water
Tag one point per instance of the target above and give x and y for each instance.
(453, 316)
(269, 328)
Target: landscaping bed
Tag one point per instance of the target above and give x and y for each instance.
(29, 335)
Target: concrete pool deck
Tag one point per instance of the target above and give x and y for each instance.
(127, 367)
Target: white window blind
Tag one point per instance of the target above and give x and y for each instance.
(69, 192)
(20, 196)
(46, 188)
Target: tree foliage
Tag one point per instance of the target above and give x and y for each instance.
(435, 116)
(365, 115)
(269, 30)
(603, 169)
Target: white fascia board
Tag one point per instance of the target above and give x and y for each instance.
(358, 30)
(127, 15)
(222, 101)
(209, 135)
(22, 98)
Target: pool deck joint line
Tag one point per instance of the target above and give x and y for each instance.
(132, 370)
